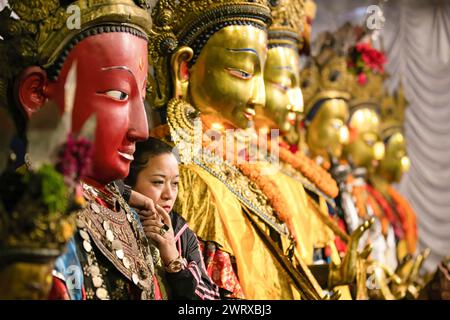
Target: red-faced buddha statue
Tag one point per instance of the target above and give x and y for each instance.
(96, 70)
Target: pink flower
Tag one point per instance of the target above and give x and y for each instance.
(75, 157)
(372, 58)
(362, 79)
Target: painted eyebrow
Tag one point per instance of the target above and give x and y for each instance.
(125, 68)
(284, 68)
(118, 68)
(291, 71)
(243, 50)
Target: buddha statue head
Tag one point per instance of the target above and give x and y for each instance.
(89, 57)
(365, 147)
(395, 162)
(324, 83)
(366, 66)
(284, 100)
(212, 55)
(85, 58)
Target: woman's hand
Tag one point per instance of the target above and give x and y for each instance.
(158, 228)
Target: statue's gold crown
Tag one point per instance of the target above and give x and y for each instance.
(191, 22)
(368, 95)
(44, 29)
(393, 108)
(178, 23)
(288, 19)
(326, 75)
(310, 9)
(329, 79)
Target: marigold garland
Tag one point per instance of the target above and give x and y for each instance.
(359, 193)
(410, 223)
(311, 170)
(269, 189)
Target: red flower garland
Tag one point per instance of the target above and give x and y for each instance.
(364, 59)
(372, 58)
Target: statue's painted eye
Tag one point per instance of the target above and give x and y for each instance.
(337, 124)
(281, 86)
(118, 95)
(240, 73)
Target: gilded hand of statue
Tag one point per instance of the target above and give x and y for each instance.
(345, 273)
(408, 282)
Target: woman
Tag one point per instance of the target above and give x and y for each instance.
(154, 173)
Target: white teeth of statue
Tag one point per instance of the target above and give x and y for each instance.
(127, 156)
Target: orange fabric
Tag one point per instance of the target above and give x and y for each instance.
(316, 174)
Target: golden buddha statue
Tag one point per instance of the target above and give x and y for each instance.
(364, 152)
(390, 170)
(215, 54)
(284, 104)
(326, 84)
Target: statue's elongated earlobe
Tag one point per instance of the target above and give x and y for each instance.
(32, 90)
(179, 74)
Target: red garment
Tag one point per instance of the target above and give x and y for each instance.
(158, 295)
(59, 291)
(340, 244)
(388, 211)
(220, 269)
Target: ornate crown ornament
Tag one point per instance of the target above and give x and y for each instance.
(310, 9)
(178, 23)
(326, 75)
(288, 19)
(366, 65)
(42, 34)
(324, 79)
(393, 108)
(368, 94)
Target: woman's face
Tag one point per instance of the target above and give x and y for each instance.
(159, 180)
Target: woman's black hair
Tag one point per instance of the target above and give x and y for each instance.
(144, 152)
